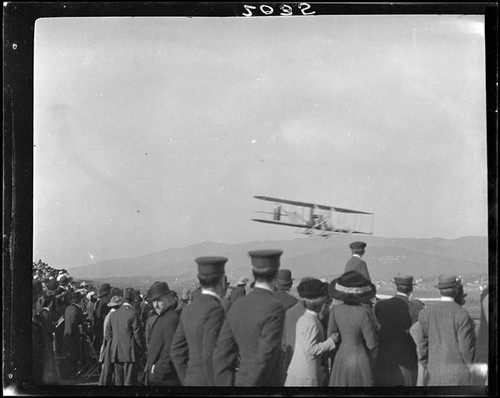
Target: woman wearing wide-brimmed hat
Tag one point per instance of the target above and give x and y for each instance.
(353, 321)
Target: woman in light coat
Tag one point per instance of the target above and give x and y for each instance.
(306, 368)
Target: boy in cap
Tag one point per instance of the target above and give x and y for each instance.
(306, 368)
(160, 370)
(397, 353)
(356, 263)
(200, 324)
(253, 330)
(446, 347)
(123, 330)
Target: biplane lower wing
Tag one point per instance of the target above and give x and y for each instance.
(311, 205)
(342, 231)
(281, 223)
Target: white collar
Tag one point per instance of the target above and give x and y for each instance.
(314, 314)
(263, 285)
(356, 255)
(402, 294)
(210, 293)
(127, 303)
(449, 299)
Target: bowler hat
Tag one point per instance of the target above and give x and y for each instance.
(403, 280)
(357, 245)
(448, 281)
(312, 289)
(115, 301)
(352, 287)
(157, 290)
(265, 260)
(208, 266)
(242, 281)
(104, 289)
(37, 289)
(284, 278)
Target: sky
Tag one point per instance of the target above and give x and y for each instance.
(156, 133)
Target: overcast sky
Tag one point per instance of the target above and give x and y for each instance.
(156, 133)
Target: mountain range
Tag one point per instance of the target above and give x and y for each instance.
(310, 256)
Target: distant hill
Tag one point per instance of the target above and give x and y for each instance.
(313, 256)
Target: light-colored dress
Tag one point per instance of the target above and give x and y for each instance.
(305, 368)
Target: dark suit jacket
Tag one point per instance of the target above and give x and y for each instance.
(253, 329)
(286, 299)
(160, 340)
(195, 339)
(358, 265)
(397, 352)
(446, 347)
(123, 329)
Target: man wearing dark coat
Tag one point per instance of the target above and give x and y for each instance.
(253, 330)
(160, 370)
(123, 329)
(45, 371)
(356, 263)
(397, 363)
(284, 283)
(200, 324)
(73, 330)
(100, 312)
(446, 347)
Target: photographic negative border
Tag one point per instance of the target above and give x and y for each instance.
(19, 23)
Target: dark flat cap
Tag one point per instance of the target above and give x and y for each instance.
(211, 265)
(404, 280)
(357, 245)
(265, 260)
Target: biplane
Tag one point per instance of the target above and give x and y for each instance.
(314, 219)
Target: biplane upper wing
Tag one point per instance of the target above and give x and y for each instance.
(312, 205)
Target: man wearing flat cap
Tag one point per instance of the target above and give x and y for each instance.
(397, 353)
(200, 324)
(356, 263)
(124, 332)
(446, 347)
(253, 330)
(160, 369)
